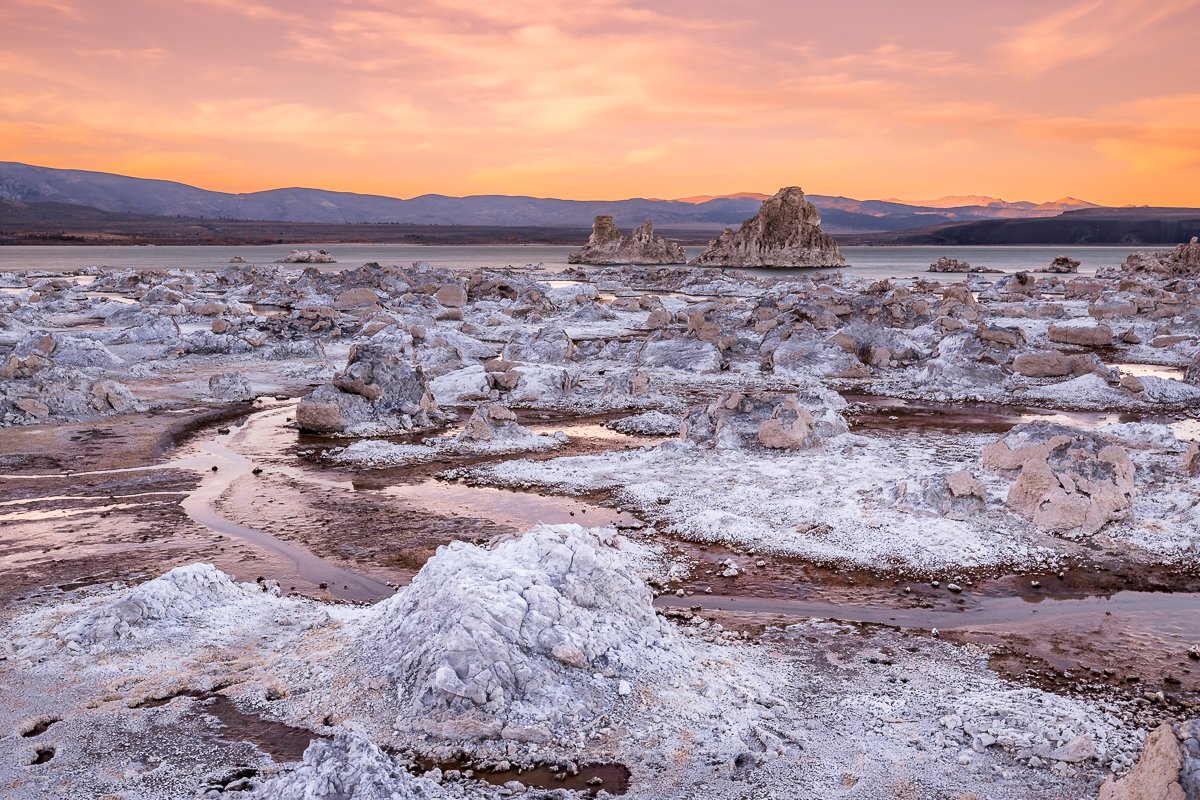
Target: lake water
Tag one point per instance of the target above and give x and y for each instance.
(875, 262)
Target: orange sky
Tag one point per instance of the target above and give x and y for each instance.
(606, 98)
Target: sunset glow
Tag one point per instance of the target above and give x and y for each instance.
(1099, 99)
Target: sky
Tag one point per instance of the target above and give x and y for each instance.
(599, 99)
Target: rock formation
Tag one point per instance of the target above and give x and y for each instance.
(307, 257)
(786, 232)
(1069, 482)
(947, 264)
(773, 421)
(378, 391)
(607, 245)
(1063, 264)
(1182, 262)
(1164, 772)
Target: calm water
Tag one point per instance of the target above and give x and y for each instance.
(875, 262)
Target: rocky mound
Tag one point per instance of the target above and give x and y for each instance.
(1063, 264)
(947, 264)
(378, 391)
(607, 245)
(157, 607)
(351, 767)
(774, 421)
(534, 640)
(307, 257)
(1068, 481)
(1182, 262)
(786, 232)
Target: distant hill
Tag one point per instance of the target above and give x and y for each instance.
(1126, 226)
(121, 194)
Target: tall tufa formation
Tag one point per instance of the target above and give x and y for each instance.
(607, 246)
(786, 232)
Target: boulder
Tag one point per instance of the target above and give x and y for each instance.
(1082, 334)
(1157, 773)
(377, 391)
(786, 232)
(451, 296)
(1069, 482)
(607, 245)
(231, 386)
(1063, 264)
(772, 420)
(1053, 364)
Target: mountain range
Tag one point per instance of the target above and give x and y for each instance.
(28, 184)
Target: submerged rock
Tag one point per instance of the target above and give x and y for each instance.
(608, 246)
(378, 391)
(786, 232)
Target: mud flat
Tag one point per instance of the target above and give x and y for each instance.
(276, 532)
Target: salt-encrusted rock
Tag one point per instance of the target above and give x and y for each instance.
(1053, 364)
(607, 245)
(774, 421)
(649, 423)
(959, 495)
(517, 640)
(307, 257)
(351, 767)
(1182, 262)
(110, 396)
(153, 607)
(947, 264)
(1190, 465)
(1070, 482)
(1082, 333)
(231, 386)
(378, 391)
(786, 232)
(1063, 264)
(1157, 775)
(493, 428)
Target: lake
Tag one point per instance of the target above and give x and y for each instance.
(874, 262)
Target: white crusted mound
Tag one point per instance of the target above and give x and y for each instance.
(351, 767)
(544, 633)
(161, 606)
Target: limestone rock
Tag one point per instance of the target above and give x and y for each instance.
(607, 245)
(230, 386)
(786, 232)
(1070, 482)
(947, 264)
(378, 390)
(774, 421)
(1182, 262)
(1157, 774)
(307, 257)
(1063, 264)
(1099, 335)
